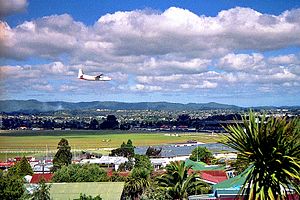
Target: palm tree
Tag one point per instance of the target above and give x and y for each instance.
(137, 182)
(178, 182)
(272, 149)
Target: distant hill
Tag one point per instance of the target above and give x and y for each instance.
(37, 106)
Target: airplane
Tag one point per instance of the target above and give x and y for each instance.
(99, 77)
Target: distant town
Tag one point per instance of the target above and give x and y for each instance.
(201, 120)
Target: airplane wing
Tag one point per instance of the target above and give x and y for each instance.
(99, 76)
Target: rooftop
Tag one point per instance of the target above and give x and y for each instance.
(107, 190)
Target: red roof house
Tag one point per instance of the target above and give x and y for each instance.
(213, 176)
(37, 177)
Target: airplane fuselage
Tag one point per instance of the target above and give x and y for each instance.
(100, 77)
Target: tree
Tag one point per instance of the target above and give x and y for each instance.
(153, 152)
(80, 173)
(11, 187)
(272, 148)
(88, 197)
(241, 164)
(183, 119)
(201, 154)
(63, 155)
(110, 123)
(142, 161)
(21, 168)
(42, 192)
(137, 183)
(126, 150)
(94, 124)
(177, 182)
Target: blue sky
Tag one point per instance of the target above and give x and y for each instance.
(236, 52)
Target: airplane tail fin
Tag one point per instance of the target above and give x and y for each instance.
(80, 73)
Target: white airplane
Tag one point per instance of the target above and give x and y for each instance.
(99, 77)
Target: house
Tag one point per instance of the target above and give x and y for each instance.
(163, 162)
(211, 174)
(36, 178)
(229, 189)
(6, 165)
(114, 161)
(107, 190)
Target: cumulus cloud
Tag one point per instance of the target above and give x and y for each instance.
(66, 88)
(145, 88)
(284, 59)
(175, 31)
(9, 7)
(241, 62)
(45, 88)
(171, 51)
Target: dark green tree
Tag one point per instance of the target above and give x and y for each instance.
(21, 168)
(142, 161)
(11, 187)
(241, 164)
(42, 192)
(272, 149)
(111, 122)
(63, 156)
(137, 183)
(201, 154)
(88, 197)
(178, 183)
(94, 124)
(126, 150)
(153, 152)
(80, 173)
(127, 166)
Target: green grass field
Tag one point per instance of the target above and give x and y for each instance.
(36, 142)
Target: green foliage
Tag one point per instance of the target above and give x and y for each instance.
(80, 173)
(153, 152)
(201, 154)
(126, 150)
(272, 148)
(111, 122)
(154, 192)
(117, 178)
(178, 183)
(137, 182)
(241, 164)
(63, 156)
(127, 166)
(21, 168)
(142, 161)
(11, 187)
(42, 192)
(88, 197)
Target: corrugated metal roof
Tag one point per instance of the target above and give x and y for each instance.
(235, 182)
(202, 166)
(37, 177)
(173, 150)
(107, 190)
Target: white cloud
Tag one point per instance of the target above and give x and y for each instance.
(284, 59)
(45, 88)
(145, 88)
(175, 31)
(66, 88)
(9, 7)
(241, 62)
(148, 51)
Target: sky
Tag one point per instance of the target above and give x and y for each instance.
(245, 53)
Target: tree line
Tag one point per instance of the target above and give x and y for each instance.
(111, 122)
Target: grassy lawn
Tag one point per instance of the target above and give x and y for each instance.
(35, 142)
